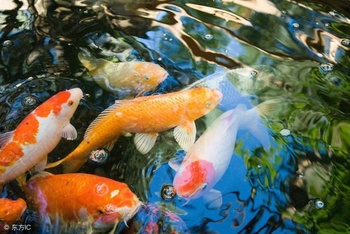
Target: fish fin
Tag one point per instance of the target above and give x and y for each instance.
(40, 174)
(69, 132)
(273, 107)
(109, 110)
(144, 142)
(109, 146)
(5, 138)
(22, 180)
(214, 199)
(40, 166)
(175, 163)
(258, 129)
(185, 135)
(71, 163)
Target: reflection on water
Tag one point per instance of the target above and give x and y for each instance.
(291, 56)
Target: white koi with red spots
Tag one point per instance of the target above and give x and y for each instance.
(208, 159)
(37, 135)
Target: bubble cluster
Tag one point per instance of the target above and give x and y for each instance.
(326, 67)
(168, 192)
(99, 156)
(29, 101)
(345, 42)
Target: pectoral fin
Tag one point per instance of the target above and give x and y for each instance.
(175, 163)
(185, 135)
(213, 198)
(258, 129)
(39, 167)
(144, 142)
(69, 132)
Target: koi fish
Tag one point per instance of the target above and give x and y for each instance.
(124, 78)
(145, 116)
(208, 159)
(10, 212)
(68, 199)
(37, 135)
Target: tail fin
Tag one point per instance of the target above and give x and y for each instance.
(251, 121)
(72, 163)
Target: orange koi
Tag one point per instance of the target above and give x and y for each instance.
(146, 116)
(10, 212)
(76, 198)
(124, 78)
(37, 135)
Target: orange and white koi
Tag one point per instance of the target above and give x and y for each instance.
(146, 116)
(208, 159)
(10, 212)
(77, 198)
(37, 135)
(124, 78)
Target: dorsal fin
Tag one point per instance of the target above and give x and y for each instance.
(105, 113)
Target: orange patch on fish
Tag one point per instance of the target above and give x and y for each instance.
(195, 176)
(26, 132)
(10, 154)
(53, 104)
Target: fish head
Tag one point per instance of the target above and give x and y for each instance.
(116, 203)
(64, 104)
(194, 179)
(202, 101)
(152, 73)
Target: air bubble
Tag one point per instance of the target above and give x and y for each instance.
(295, 25)
(168, 192)
(208, 36)
(7, 43)
(285, 132)
(345, 42)
(99, 156)
(318, 203)
(30, 101)
(326, 67)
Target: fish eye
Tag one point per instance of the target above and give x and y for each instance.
(70, 103)
(204, 186)
(208, 104)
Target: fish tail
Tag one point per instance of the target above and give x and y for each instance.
(250, 120)
(72, 162)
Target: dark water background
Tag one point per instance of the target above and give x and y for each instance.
(300, 53)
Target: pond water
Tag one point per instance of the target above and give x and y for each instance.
(297, 53)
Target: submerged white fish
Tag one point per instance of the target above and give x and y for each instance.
(208, 159)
